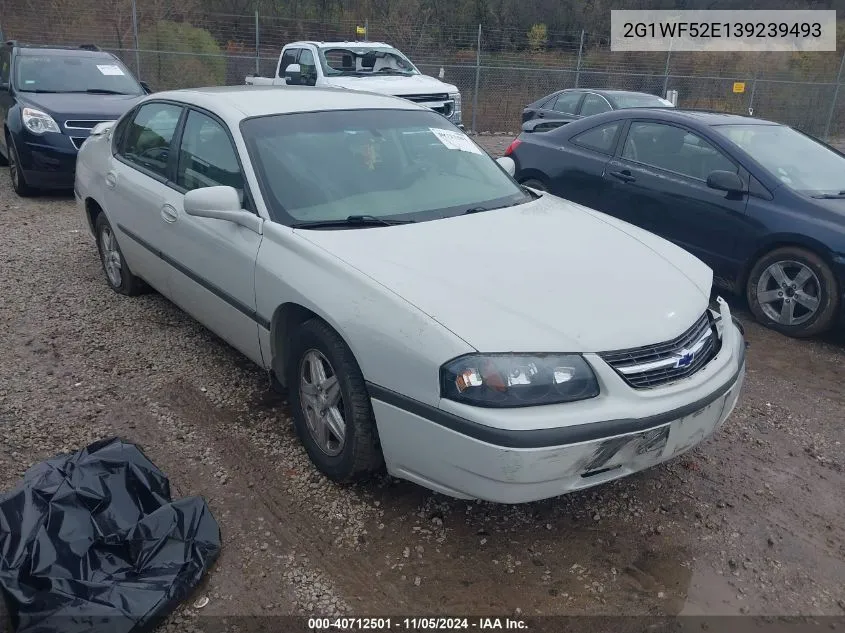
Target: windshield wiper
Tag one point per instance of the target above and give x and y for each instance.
(352, 220)
(39, 91)
(483, 209)
(100, 91)
(829, 196)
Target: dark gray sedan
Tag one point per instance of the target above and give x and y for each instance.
(571, 104)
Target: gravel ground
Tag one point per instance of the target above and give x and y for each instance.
(753, 521)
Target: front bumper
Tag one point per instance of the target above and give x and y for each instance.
(47, 161)
(521, 455)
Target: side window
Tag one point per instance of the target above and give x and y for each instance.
(308, 67)
(288, 58)
(5, 63)
(674, 149)
(594, 104)
(148, 136)
(567, 102)
(207, 157)
(119, 134)
(599, 139)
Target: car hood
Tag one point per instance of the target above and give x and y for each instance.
(546, 276)
(80, 106)
(393, 85)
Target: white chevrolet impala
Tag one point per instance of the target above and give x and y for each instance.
(425, 313)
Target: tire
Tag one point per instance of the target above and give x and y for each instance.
(15, 173)
(534, 184)
(359, 455)
(796, 279)
(126, 283)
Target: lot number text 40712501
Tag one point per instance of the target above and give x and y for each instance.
(415, 624)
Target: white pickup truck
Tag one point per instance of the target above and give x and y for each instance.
(368, 66)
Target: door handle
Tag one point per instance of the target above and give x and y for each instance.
(168, 214)
(624, 176)
(111, 180)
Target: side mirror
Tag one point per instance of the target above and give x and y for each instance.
(102, 128)
(293, 74)
(221, 203)
(146, 87)
(506, 163)
(725, 181)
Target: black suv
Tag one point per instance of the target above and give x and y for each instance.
(50, 99)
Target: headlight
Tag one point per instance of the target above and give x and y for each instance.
(517, 380)
(38, 122)
(456, 115)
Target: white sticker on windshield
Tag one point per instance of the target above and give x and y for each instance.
(455, 140)
(109, 69)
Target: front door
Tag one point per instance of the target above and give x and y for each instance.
(658, 181)
(212, 261)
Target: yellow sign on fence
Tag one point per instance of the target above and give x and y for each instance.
(739, 87)
(360, 31)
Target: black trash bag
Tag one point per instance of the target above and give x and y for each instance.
(92, 542)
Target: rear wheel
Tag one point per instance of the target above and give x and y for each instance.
(792, 290)
(118, 275)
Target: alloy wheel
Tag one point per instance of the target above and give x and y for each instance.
(322, 403)
(789, 293)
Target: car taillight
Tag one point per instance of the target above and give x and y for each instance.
(516, 143)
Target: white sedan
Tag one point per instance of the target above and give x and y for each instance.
(425, 313)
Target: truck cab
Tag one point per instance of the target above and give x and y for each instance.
(368, 66)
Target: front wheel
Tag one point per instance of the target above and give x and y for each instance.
(792, 290)
(19, 183)
(330, 403)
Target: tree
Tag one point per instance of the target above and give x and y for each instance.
(204, 65)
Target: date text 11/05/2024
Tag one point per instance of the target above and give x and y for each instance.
(415, 624)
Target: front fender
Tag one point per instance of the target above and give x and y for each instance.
(396, 345)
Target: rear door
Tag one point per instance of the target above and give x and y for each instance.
(658, 181)
(564, 107)
(136, 189)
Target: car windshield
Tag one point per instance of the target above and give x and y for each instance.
(48, 72)
(795, 159)
(410, 165)
(640, 101)
(365, 61)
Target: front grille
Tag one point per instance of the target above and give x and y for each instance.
(80, 124)
(657, 365)
(77, 141)
(440, 103)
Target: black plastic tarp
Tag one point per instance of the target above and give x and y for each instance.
(93, 542)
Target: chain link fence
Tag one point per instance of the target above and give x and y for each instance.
(498, 71)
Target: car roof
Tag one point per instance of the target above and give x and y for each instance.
(704, 117)
(355, 44)
(240, 102)
(70, 51)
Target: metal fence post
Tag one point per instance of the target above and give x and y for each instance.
(751, 98)
(135, 35)
(366, 29)
(477, 80)
(666, 71)
(257, 46)
(578, 64)
(835, 96)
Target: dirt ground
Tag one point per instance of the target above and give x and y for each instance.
(752, 521)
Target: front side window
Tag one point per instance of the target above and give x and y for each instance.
(146, 142)
(46, 72)
(288, 58)
(674, 149)
(391, 164)
(795, 159)
(594, 104)
(207, 157)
